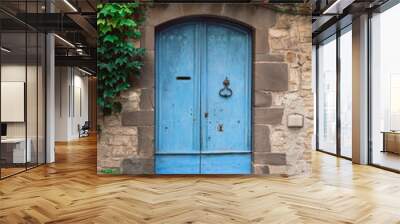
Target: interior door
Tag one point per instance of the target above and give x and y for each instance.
(203, 99)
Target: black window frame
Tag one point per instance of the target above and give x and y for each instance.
(333, 37)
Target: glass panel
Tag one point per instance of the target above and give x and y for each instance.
(41, 99)
(22, 88)
(31, 97)
(13, 86)
(346, 94)
(32, 87)
(385, 84)
(327, 96)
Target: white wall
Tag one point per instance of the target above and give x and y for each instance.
(79, 112)
(62, 81)
(70, 109)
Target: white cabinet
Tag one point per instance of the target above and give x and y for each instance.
(19, 154)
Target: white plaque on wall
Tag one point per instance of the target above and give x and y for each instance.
(12, 101)
(295, 121)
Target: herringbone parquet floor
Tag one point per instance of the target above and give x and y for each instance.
(71, 192)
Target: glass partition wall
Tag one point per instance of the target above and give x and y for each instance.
(345, 91)
(334, 94)
(22, 78)
(327, 95)
(385, 90)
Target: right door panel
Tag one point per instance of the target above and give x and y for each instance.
(226, 98)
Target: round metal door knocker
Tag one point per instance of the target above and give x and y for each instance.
(226, 91)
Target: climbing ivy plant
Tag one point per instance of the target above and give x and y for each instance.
(117, 56)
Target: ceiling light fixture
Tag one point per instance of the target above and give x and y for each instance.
(84, 71)
(5, 50)
(70, 5)
(65, 41)
(338, 6)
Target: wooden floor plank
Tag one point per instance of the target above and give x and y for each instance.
(69, 191)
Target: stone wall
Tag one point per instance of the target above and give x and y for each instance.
(282, 87)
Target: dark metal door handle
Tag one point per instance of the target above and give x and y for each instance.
(226, 91)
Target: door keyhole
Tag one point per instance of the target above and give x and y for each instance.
(220, 127)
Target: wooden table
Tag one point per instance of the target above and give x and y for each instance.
(391, 141)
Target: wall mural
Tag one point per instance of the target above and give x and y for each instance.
(225, 90)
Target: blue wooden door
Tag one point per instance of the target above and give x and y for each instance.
(203, 99)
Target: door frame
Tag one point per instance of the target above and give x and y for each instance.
(212, 19)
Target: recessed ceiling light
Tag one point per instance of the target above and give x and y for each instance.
(84, 71)
(70, 5)
(5, 50)
(65, 41)
(338, 6)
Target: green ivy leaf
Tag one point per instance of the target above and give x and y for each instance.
(110, 38)
(127, 22)
(118, 58)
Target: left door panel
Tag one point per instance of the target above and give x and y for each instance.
(177, 112)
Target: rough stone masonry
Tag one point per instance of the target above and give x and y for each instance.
(282, 86)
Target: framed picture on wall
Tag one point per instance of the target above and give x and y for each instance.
(12, 101)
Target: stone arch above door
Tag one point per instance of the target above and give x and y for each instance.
(259, 19)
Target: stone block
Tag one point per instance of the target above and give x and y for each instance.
(120, 140)
(270, 158)
(269, 58)
(279, 33)
(129, 95)
(271, 76)
(161, 13)
(146, 142)
(147, 99)
(268, 115)
(147, 39)
(146, 78)
(201, 9)
(138, 118)
(149, 56)
(278, 170)
(260, 169)
(261, 42)
(111, 121)
(257, 17)
(262, 99)
(130, 106)
(137, 166)
(122, 151)
(261, 138)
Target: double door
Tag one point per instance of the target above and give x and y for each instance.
(203, 99)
